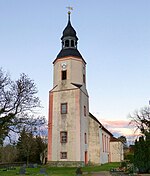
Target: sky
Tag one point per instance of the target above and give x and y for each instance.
(114, 40)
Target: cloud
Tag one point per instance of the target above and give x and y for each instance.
(116, 123)
(121, 128)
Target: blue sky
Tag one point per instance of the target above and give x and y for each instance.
(114, 39)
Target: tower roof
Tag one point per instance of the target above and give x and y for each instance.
(69, 52)
(69, 42)
(69, 30)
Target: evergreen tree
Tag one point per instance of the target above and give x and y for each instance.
(142, 155)
(41, 146)
(148, 152)
(141, 120)
(26, 146)
(30, 147)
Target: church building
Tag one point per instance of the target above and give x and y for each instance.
(75, 136)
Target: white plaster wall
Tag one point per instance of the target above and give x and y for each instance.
(74, 121)
(104, 151)
(116, 149)
(84, 101)
(75, 68)
(69, 122)
(94, 142)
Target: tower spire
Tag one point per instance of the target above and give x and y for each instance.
(69, 40)
(69, 12)
(69, 16)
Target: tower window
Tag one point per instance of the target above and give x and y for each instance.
(64, 74)
(84, 110)
(84, 78)
(63, 137)
(85, 138)
(75, 43)
(63, 155)
(72, 43)
(103, 141)
(63, 108)
(67, 43)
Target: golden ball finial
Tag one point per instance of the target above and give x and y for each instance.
(69, 8)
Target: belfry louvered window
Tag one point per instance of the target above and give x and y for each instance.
(64, 75)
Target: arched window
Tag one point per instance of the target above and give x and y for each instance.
(72, 43)
(67, 43)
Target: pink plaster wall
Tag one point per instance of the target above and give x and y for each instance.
(50, 118)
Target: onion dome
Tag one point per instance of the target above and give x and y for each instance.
(69, 30)
(69, 42)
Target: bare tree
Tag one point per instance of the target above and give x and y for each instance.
(17, 99)
(8, 154)
(123, 139)
(141, 120)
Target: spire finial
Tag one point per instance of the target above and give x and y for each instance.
(69, 12)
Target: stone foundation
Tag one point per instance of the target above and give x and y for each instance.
(65, 163)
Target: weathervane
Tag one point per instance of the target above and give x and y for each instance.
(69, 8)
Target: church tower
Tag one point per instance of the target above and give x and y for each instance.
(68, 105)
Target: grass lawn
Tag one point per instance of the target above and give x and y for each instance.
(59, 171)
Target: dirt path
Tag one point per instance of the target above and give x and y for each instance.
(103, 173)
(106, 173)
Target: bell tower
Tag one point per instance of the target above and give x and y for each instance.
(68, 105)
